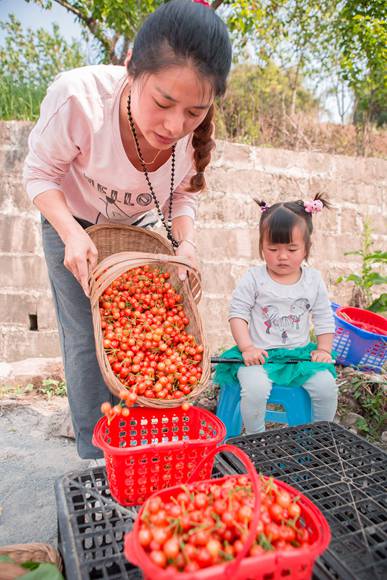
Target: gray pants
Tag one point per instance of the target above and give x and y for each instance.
(255, 391)
(85, 386)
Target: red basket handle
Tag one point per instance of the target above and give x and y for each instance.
(232, 568)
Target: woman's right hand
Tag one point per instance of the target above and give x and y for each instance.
(254, 356)
(81, 255)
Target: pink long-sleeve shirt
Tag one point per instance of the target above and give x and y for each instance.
(76, 147)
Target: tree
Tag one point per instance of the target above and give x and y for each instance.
(29, 61)
(343, 38)
(113, 23)
(346, 38)
(363, 47)
(267, 96)
(34, 57)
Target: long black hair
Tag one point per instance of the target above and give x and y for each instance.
(181, 33)
(278, 221)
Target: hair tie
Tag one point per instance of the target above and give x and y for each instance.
(202, 2)
(201, 173)
(264, 207)
(313, 206)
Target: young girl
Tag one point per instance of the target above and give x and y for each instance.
(121, 145)
(271, 309)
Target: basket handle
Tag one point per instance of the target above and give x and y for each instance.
(231, 569)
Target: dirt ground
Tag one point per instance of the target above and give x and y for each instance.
(34, 452)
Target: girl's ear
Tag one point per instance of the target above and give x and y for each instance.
(127, 58)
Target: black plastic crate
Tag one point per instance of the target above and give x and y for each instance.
(92, 526)
(345, 476)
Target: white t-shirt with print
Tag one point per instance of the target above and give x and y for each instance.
(279, 315)
(76, 147)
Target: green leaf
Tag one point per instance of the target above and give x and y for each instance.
(375, 278)
(36, 570)
(379, 304)
(378, 256)
(362, 425)
(43, 571)
(357, 253)
(354, 278)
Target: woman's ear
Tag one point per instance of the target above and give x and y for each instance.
(127, 58)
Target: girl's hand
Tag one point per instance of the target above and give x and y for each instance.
(320, 356)
(254, 356)
(187, 250)
(80, 256)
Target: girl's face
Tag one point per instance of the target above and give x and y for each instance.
(169, 105)
(284, 260)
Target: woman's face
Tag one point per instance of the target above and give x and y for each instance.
(169, 105)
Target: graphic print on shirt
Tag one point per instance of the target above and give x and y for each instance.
(114, 206)
(114, 212)
(274, 319)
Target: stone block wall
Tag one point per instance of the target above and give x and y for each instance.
(227, 231)
(25, 300)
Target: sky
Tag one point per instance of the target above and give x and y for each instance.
(33, 16)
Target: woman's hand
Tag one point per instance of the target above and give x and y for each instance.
(322, 356)
(80, 252)
(254, 356)
(187, 250)
(81, 255)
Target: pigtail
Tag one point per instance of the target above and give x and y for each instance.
(314, 205)
(320, 197)
(262, 204)
(203, 144)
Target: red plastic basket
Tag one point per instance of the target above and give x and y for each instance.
(153, 449)
(295, 564)
(356, 346)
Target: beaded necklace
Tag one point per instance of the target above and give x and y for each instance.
(166, 223)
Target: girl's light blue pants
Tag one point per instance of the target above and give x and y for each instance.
(255, 391)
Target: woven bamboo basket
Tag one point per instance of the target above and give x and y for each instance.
(20, 553)
(121, 248)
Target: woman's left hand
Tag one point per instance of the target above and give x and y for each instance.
(186, 250)
(320, 356)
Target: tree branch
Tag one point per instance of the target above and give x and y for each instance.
(124, 51)
(72, 9)
(90, 23)
(114, 59)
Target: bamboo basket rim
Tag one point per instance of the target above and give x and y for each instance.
(97, 286)
(34, 552)
(96, 229)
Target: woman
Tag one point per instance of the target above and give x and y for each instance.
(111, 145)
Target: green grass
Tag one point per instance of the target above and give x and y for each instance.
(18, 101)
(49, 388)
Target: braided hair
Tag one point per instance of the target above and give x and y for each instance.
(278, 221)
(181, 32)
